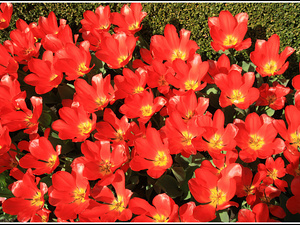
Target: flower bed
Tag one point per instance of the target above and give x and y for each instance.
(113, 129)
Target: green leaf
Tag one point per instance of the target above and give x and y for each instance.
(248, 67)
(183, 161)
(179, 173)
(224, 215)
(270, 112)
(169, 185)
(65, 91)
(45, 119)
(47, 180)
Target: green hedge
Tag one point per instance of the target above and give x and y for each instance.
(265, 19)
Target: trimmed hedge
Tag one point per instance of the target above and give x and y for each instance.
(265, 19)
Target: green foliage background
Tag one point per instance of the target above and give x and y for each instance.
(265, 19)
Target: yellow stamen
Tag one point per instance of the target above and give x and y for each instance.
(138, 89)
(101, 101)
(85, 128)
(230, 40)
(178, 54)
(216, 142)
(272, 174)
(191, 84)
(237, 97)
(52, 160)
(256, 142)
(79, 195)
(295, 139)
(119, 135)
(37, 200)
(160, 218)
(160, 159)
(271, 67)
(217, 197)
(118, 204)
(28, 51)
(186, 140)
(53, 77)
(82, 69)
(122, 58)
(134, 26)
(249, 189)
(105, 167)
(147, 110)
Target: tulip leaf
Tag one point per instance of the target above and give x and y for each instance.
(270, 111)
(223, 215)
(45, 119)
(179, 174)
(169, 185)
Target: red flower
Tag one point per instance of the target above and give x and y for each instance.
(293, 203)
(224, 165)
(24, 45)
(28, 198)
(129, 21)
(273, 171)
(42, 156)
(69, 193)
(187, 105)
(130, 83)
(265, 195)
(157, 74)
(216, 138)
(215, 193)
(180, 134)
(228, 31)
(170, 47)
(5, 14)
(164, 209)
(98, 21)
(272, 96)
(75, 123)
(266, 57)
(25, 119)
(116, 50)
(41, 215)
(56, 42)
(113, 129)
(99, 161)
(236, 89)
(11, 95)
(151, 154)
(188, 76)
(8, 65)
(259, 213)
(113, 207)
(292, 134)
(142, 105)
(44, 76)
(186, 212)
(5, 140)
(257, 138)
(49, 25)
(248, 187)
(74, 61)
(96, 96)
(8, 161)
(220, 66)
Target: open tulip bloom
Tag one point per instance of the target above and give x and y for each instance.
(102, 126)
